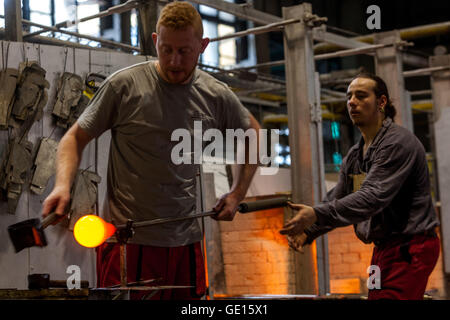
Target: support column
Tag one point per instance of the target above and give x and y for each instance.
(13, 20)
(125, 25)
(303, 121)
(262, 40)
(389, 66)
(212, 240)
(440, 84)
(147, 19)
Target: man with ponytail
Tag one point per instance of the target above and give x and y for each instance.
(384, 191)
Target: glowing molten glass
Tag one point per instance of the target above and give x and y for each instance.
(91, 231)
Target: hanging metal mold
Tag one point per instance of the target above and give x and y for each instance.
(31, 96)
(70, 101)
(8, 83)
(44, 165)
(14, 171)
(83, 196)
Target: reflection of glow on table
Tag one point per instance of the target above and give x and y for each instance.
(45, 294)
(291, 297)
(78, 294)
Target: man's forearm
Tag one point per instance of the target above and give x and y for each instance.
(243, 179)
(246, 171)
(67, 161)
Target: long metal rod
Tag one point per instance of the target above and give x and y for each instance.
(75, 34)
(420, 92)
(333, 93)
(258, 101)
(349, 52)
(127, 6)
(243, 12)
(258, 30)
(341, 53)
(243, 93)
(58, 42)
(259, 65)
(166, 220)
(423, 71)
(320, 34)
(221, 71)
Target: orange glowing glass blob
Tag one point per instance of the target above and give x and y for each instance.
(91, 231)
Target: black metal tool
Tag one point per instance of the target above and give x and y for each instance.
(30, 233)
(37, 281)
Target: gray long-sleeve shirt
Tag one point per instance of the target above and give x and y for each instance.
(384, 193)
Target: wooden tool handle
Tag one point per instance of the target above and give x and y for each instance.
(52, 217)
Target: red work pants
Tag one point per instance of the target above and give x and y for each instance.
(405, 267)
(176, 266)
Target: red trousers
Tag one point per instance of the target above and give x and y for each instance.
(181, 266)
(405, 267)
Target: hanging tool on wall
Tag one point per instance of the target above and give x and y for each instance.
(8, 83)
(83, 196)
(31, 95)
(92, 83)
(14, 170)
(73, 96)
(44, 165)
(69, 93)
(27, 107)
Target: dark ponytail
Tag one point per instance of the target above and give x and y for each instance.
(380, 89)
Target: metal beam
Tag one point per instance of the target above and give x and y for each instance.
(84, 36)
(261, 65)
(424, 71)
(64, 43)
(320, 34)
(147, 19)
(414, 60)
(244, 12)
(125, 26)
(258, 101)
(301, 100)
(127, 6)
(440, 84)
(366, 49)
(420, 92)
(405, 34)
(221, 71)
(389, 66)
(13, 20)
(258, 30)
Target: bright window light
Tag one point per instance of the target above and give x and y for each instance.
(90, 27)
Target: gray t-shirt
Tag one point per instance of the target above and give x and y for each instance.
(142, 110)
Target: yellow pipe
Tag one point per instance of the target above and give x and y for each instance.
(336, 116)
(423, 106)
(284, 119)
(405, 34)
